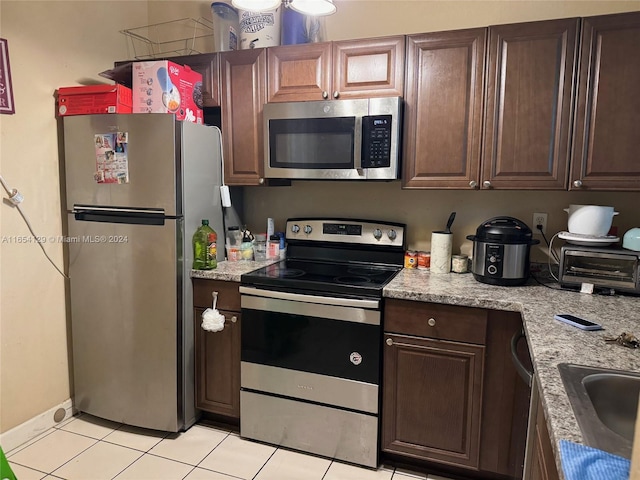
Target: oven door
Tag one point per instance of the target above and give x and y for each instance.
(314, 348)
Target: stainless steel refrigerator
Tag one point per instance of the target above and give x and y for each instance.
(137, 187)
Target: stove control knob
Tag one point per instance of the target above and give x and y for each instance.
(295, 228)
(307, 229)
(492, 259)
(392, 235)
(377, 234)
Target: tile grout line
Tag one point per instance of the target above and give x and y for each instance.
(265, 463)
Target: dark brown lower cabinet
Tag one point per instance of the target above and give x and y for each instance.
(543, 464)
(217, 354)
(452, 398)
(439, 418)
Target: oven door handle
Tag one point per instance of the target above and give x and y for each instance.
(343, 302)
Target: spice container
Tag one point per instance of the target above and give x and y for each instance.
(424, 260)
(459, 263)
(273, 247)
(410, 259)
(260, 247)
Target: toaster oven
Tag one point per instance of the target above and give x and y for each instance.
(604, 268)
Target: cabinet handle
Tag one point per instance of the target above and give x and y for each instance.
(261, 181)
(473, 184)
(577, 183)
(389, 342)
(234, 319)
(486, 184)
(336, 94)
(325, 95)
(525, 374)
(432, 322)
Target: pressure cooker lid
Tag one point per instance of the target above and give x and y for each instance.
(504, 230)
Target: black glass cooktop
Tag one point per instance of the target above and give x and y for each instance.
(353, 279)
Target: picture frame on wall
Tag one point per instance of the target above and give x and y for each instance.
(6, 89)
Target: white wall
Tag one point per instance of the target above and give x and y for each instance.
(51, 44)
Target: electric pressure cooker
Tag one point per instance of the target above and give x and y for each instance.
(501, 249)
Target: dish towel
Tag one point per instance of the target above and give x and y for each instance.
(580, 462)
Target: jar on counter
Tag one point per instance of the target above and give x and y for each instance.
(424, 260)
(260, 247)
(459, 263)
(410, 259)
(273, 247)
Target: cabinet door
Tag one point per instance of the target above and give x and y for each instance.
(218, 366)
(443, 109)
(530, 87)
(543, 464)
(299, 72)
(243, 90)
(432, 392)
(607, 126)
(209, 67)
(369, 68)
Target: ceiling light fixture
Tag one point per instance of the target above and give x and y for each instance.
(306, 7)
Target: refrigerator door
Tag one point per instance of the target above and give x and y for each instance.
(152, 161)
(126, 284)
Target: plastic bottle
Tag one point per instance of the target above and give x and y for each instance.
(201, 247)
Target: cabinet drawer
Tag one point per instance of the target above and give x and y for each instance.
(434, 320)
(228, 295)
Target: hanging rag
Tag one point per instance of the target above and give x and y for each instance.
(212, 319)
(580, 462)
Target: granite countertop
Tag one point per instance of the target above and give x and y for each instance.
(550, 342)
(230, 271)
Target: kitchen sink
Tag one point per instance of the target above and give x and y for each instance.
(605, 403)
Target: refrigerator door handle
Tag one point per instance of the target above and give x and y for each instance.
(139, 216)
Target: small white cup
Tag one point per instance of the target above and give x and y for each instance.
(441, 245)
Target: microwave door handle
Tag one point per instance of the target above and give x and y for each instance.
(357, 146)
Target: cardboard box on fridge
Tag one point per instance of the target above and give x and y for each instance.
(90, 99)
(161, 86)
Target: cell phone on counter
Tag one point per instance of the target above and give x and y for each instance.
(581, 323)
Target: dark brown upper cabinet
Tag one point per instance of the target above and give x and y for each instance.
(243, 81)
(527, 89)
(371, 67)
(607, 125)
(443, 109)
(530, 89)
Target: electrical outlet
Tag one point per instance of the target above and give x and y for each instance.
(539, 219)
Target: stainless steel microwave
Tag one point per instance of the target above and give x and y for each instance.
(333, 139)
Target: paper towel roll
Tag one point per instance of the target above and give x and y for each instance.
(441, 243)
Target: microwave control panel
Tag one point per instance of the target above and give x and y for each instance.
(376, 141)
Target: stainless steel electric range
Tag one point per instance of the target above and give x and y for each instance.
(312, 338)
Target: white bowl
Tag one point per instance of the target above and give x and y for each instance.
(592, 220)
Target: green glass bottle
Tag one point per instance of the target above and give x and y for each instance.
(201, 247)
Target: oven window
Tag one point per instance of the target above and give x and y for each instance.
(312, 143)
(310, 344)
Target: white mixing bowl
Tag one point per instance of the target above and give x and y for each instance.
(593, 220)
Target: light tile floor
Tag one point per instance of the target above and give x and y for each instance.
(89, 448)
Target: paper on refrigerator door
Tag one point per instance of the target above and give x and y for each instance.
(112, 162)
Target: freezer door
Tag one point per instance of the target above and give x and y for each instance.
(152, 160)
(127, 322)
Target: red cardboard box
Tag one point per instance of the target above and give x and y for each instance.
(89, 99)
(162, 86)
